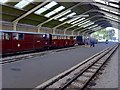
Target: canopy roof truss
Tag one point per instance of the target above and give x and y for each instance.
(61, 15)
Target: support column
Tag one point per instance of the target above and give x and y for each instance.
(54, 30)
(15, 25)
(119, 36)
(73, 32)
(65, 32)
(39, 28)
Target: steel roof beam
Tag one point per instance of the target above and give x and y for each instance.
(94, 21)
(88, 29)
(29, 12)
(106, 6)
(39, 26)
(86, 20)
(54, 28)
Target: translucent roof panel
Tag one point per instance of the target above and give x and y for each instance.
(84, 23)
(72, 14)
(50, 14)
(51, 4)
(78, 20)
(3, 1)
(114, 1)
(73, 19)
(114, 5)
(114, 12)
(105, 9)
(69, 15)
(23, 3)
(46, 7)
(62, 19)
(88, 24)
(41, 10)
(93, 26)
(63, 14)
(55, 11)
(100, 1)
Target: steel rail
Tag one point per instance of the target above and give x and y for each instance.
(81, 73)
(57, 78)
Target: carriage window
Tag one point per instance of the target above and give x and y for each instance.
(15, 36)
(20, 36)
(7, 36)
(1, 36)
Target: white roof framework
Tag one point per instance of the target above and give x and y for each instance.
(53, 10)
(46, 7)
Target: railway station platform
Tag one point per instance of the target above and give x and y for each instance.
(34, 71)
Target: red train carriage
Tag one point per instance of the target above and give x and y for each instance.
(17, 41)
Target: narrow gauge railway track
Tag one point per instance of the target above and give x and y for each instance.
(15, 58)
(80, 75)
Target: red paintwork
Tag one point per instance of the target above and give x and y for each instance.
(31, 42)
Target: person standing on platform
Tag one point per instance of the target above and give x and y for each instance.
(92, 43)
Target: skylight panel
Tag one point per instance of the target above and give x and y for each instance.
(92, 26)
(59, 8)
(50, 14)
(55, 11)
(105, 9)
(100, 1)
(88, 24)
(84, 23)
(73, 19)
(69, 15)
(4, 1)
(63, 14)
(46, 7)
(72, 14)
(108, 15)
(114, 5)
(114, 12)
(114, 1)
(62, 19)
(23, 3)
(41, 10)
(78, 20)
(50, 5)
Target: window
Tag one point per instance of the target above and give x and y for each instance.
(21, 36)
(18, 36)
(7, 36)
(15, 36)
(1, 35)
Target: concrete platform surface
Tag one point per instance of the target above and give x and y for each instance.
(109, 78)
(32, 72)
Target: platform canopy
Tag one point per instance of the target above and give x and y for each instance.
(82, 16)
